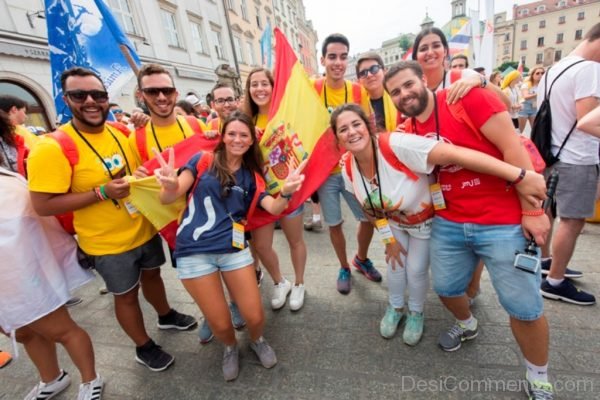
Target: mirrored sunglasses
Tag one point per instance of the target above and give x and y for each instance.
(373, 69)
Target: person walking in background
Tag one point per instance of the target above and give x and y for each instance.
(510, 86)
(529, 96)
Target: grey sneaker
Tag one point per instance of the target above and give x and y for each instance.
(264, 352)
(452, 339)
(539, 390)
(231, 363)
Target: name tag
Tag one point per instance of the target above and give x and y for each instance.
(437, 196)
(131, 209)
(238, 239)
(385, 232)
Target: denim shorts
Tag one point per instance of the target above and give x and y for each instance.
(527, 110)
(331, 202)
(455, 250)
(198, 265)
(122, 272)
(296, 212)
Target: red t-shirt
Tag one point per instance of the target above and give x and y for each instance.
(472, 197)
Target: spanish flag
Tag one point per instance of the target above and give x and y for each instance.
(298, 129)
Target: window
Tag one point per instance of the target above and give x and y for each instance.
(562, 3)
(578, 34)
(523, 44)
(557, 55)
(244, 8)
(251, 58)
(507, 37)
(561, 19)
(170, 24)
(523, 12)
(580, 15)
(539, 58)
(540, 8)
(217, 44)
(238, 49)
(524, 28)
(523, 59)
(506, 50)
(199, 45)
(541, 41)
(559, 37)
(123, 13)
(258, 19)
(543, 23)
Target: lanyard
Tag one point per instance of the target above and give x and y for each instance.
(436, 116)
(156, 139)
(325, 95)
(98, 154)
(378, 183)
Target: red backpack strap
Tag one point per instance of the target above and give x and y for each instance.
(459, 113)
(357, 93)
(120, 127)
(140, 143)
(455, 74)
(260, 187)
(390, 157)
(194, 124)
(204, 162)
(319, 85)
(22, 153)
(67, 145)
(347, 163)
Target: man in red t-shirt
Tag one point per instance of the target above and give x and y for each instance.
(483, 217)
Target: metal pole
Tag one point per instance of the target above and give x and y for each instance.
(235, 60)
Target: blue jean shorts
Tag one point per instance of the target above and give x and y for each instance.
(455, 250)
(527, 110)
(331, 202)
(198, 265)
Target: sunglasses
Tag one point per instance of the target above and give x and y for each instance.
(539, 73)
(229, 100)
(373, 69)
(79, 96)
(117, 111)
(156, 91)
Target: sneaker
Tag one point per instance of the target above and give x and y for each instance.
(176, 320)
(103, 290)
(73, 301)
(313, 225)
(205, 333)
(413, 331)
(231, 363)
(472, 299)
(259, 276)
(569, 273)
(567, 292)
(344, 283)
(280, 292)
(264, 352)
(51, 389)
(539, 390)
(390, 321)
(152, 356)
(297, 297)
(5, 358)
(91, 390)
(236, 318)
(366, 268)
(458, 333)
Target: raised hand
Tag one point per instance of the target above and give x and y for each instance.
(294, 180)
(166, 174)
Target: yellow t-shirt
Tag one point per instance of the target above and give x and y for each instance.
(102, 228)
(261, 121)
(166, 136)
(27, 135)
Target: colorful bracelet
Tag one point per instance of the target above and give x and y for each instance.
(98, 194)
(103, 192)
(519, 178)
(533, 213)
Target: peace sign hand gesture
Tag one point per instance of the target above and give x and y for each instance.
(166, 174)
(294, 179)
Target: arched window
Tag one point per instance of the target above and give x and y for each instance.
(37, 116)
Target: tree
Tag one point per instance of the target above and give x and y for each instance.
(405, 42)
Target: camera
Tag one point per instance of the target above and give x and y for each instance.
(528, 260)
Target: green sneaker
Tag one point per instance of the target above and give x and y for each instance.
(389, 322)
(414, 328)
(537, 390)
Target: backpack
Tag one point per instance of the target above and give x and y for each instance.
(383, 140)
(169, 232)
(356, 90)
(140, 137)
(541, 130)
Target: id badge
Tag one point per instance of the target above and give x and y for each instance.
(437, 196)
(238, 239)
(131, 209)
(385, 232)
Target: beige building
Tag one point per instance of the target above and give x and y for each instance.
(504, 33)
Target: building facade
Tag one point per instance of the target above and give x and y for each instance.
(504, 33)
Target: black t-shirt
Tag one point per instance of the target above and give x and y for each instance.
(377, 105)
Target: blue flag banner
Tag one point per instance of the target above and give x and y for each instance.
(265, 47)
(84, 33)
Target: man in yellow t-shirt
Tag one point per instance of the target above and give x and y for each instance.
(122, 245)
(334, 91)
(17, 113)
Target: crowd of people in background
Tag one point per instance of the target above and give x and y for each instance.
(434, 164)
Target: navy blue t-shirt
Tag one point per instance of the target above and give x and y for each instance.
(206, 226)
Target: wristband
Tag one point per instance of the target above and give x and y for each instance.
(103, 192)
(519, 178)
(97, 193)
(286, 196)
(533, 213)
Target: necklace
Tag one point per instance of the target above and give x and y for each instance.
(330, 109)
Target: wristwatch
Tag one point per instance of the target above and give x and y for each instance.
(483, 81)
(286, 196)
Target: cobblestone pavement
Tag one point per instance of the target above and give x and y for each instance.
(331, 349)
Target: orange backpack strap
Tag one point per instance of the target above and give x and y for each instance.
(204, 162)
(140, 143)
(390, 157)
(67, 145)
(357, 93)
(22, 153)
(120, 127)
(194, 124)
(460, 114)
(319, 85)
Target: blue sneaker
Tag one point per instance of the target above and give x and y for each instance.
(567, 292)
(236, 318)
(205, 333)
(569, 273)
(344, 283)
(366, 268)
(390, 321)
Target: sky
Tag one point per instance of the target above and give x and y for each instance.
(367, 23)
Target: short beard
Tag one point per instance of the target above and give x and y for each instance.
(422, 100)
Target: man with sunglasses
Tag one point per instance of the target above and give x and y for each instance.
(370, 71)
(122, 245)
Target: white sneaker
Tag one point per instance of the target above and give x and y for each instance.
(91, 390)
(280, 292)
(51, 389)
(297, 297)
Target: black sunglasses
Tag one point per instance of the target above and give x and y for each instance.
(79, 96)
(373, 69)
(155, 91)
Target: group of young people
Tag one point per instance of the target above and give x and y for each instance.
(450, 186)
